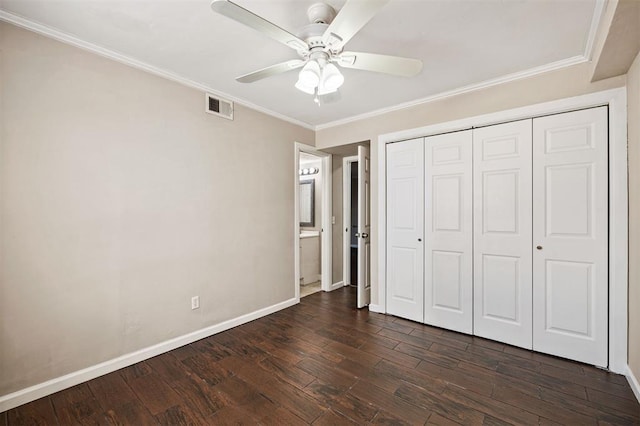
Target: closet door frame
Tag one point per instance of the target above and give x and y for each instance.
(616, 99)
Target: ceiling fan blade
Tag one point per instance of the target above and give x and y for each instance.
(394, 65)
(269, 71)
(250, 19)
(352, 17)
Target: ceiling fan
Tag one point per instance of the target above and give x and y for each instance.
(320, 45)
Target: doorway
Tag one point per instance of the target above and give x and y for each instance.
(312, 221)
(350, 220)
(311, 176)
(356, 224)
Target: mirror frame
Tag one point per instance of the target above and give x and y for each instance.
(311, 203)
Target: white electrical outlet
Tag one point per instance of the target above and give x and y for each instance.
(195, 302)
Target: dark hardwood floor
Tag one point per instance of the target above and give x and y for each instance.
(327, 363)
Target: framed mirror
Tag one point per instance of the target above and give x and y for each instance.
(307, 203)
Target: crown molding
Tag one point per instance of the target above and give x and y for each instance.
(465, 89)
(74, 41)
(599, 8)
(119, 57)
(593, 30)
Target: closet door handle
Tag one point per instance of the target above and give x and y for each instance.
(365, 235)
(539, 247)
(419, 240)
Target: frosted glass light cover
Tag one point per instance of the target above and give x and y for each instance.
(332, 79)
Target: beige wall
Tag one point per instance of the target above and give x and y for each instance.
(633, 102)
(563, 83)
(120, 198)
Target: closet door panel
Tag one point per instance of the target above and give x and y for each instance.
(570, 217)
(405, 229)
(448, 231)
(502, 233)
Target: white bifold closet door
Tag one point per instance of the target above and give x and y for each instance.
(570, 222)
(502, 233)
(448, 280)
(405, 227)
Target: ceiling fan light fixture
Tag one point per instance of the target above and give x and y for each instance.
(305, 88)
(332, 79)
(310, 74)
(323, 89)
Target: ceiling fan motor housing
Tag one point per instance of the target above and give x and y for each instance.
(321, 13)
(312, 34)
(320, 16)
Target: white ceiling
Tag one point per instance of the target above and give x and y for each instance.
(461, 42)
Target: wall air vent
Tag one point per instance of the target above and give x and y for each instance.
(218, 106)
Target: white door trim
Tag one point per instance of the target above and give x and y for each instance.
(616, 99)
(325, 235)
(346, 217)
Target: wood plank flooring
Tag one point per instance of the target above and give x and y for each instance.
(323, 362)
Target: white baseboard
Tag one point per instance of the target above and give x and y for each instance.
(376, 308)
(633, 382)
(310, 279)
(336, 286)
(49, 387)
